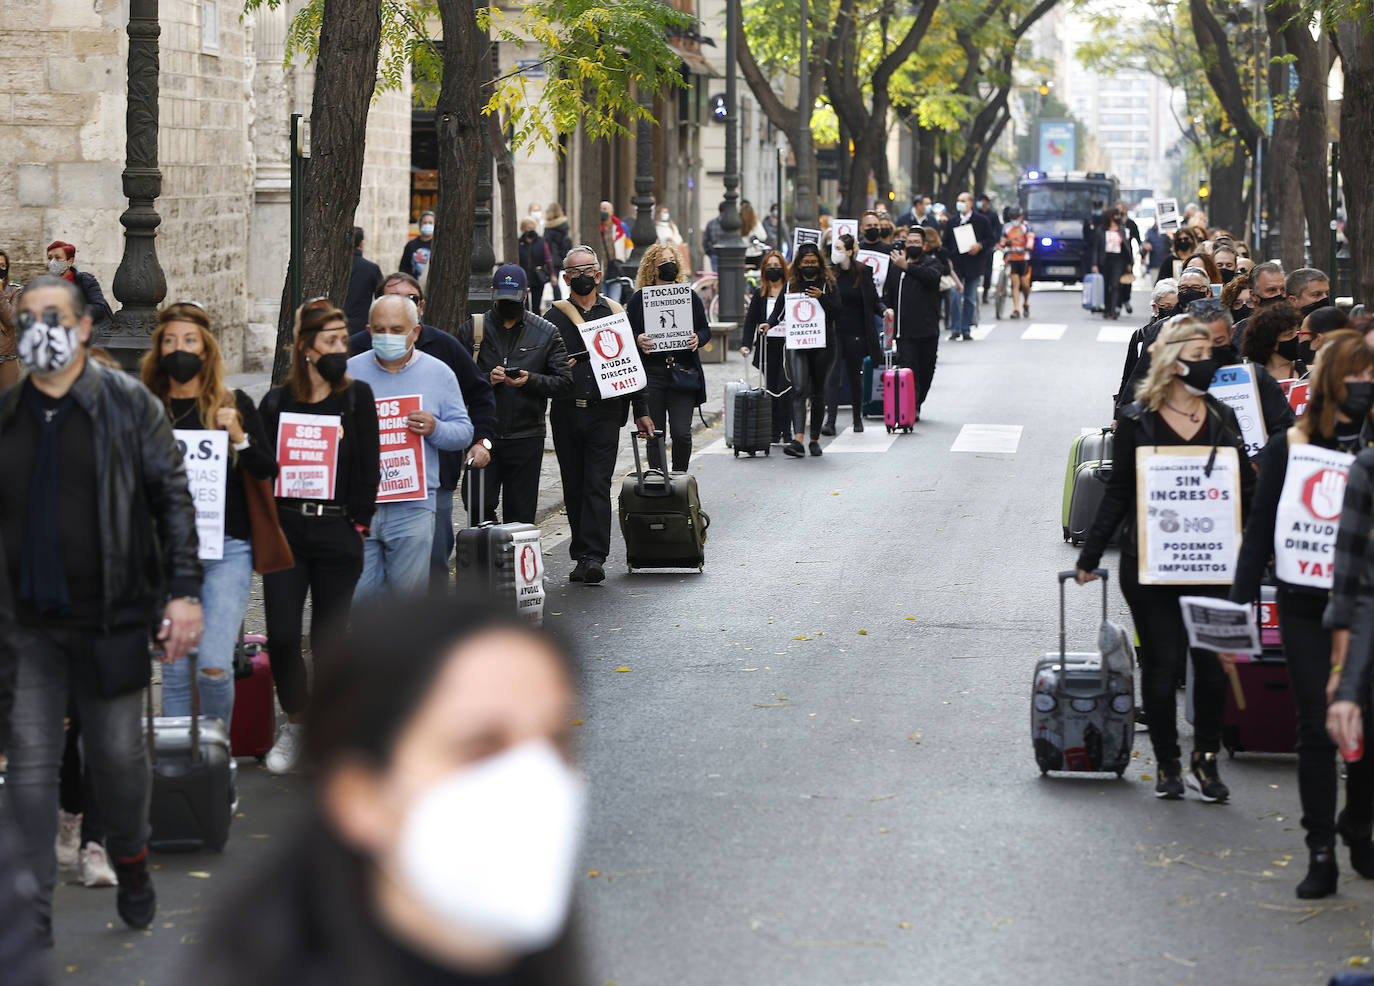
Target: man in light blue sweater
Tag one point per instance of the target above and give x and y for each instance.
(396, 553)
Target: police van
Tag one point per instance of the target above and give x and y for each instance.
(1059, 206)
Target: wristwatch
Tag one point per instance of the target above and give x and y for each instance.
(485, 443)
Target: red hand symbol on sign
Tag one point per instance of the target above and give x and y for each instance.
(1323, 494)
(529, 564)
(804, 310)
(608, 343)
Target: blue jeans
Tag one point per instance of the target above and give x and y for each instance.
(396, 554)
(223, 598)
(112, 736)
(441, 549)
(964, 306)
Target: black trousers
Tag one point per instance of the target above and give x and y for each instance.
(511, 479)
(672, 413)
(329, 559)
(1163, 649)
(848, 365)
(1114, 267)
(810, 368)
(779, 386)
(587, 439)
(1307, 649)
(919, 355)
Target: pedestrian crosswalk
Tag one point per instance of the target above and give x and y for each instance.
(1055, 332)
(987, 438)
(1115, 333)
(1045, 331)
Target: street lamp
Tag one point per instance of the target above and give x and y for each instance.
(731, 247)
(643, 232)
(139, 282)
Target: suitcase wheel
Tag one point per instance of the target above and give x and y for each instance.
(889, 429)
(736, 453)
(765, 452)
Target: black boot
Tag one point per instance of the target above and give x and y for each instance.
(1361, 847)
(135, 900)
(1321, 875)
(858, 421)
(829, 427)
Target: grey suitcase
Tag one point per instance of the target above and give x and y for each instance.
(1083, 703)
(1089, 486)
(732, 388)
(501, 562)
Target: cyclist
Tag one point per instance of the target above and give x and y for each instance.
(1017, 238)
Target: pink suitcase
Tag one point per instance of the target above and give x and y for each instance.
(899, 399)
(252, 727)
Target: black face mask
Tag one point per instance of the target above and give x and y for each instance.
(914, 252)
(1289, 349)
(773, 274)
(887, 231)
(1319, 303)
(810, 273)
(1199, 374)
(331, 366)
(1225, 355)
(1187, 296)
(1359, 400)
(583, 284)
(1242, 313)
(667, 272)
(871, 234)
(4, 274)
(508, 309)
(180, 365)
(1266, 302)
(1306, 353)
(1226, 275)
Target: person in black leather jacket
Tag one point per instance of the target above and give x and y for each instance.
(523, 356)
(98, 549)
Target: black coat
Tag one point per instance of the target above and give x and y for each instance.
(970, 265)
(1126, 257)
(535, 346)
(96, 305)
(914, 297)
(658, 361)
(872, 307)
(534, 260)
(559, 240)
(362, 288)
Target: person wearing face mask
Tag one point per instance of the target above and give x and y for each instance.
(1237, 298)
(1340, 399)
(481, 405)
(1113, 258)
(326, 534)
(1182, 245)
(1308, 289)
(183, 369)
(870, 231)
(415, 257)
(537, 262)
(1316, 326)
(677, 384)
(61, 263)
(439, 841)
(766, 340)
(809, 368)
(857, 303)
(524, 358)
(1172, 409)
(886, 231)
(1271, 341)
(912, 291)
(9, 353)
(968, 266)
(1225, 258)
(1266, 289)
(586, 426)
(559, 240)
(98, 531)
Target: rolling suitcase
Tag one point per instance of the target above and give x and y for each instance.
(1083, 703)
(1269, 721)
(503, 562)
(1094, 447)
(899, 397)
(193, 795)
(252, 727)
(661, 518)
(1094, 291)
(749, 425)
(732, 388)
(873, 390)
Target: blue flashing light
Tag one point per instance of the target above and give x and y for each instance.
(1045, 241)
(1032, 175)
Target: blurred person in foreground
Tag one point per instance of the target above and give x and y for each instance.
(444, 816)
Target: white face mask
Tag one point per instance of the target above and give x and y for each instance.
(426, 229)
(491, 849)
(44, 348)
(663, 218)
(58, 267)
(962, 207)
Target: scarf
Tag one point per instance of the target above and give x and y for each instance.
(42, 575)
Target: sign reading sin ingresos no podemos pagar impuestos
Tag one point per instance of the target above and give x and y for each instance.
(1188, 514)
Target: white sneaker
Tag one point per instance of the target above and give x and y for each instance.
(68, 838)
(94, 867)
(286, 751)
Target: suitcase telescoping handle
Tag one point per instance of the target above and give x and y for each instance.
(193, 656)
(662, 449)
(1067, 576)
(477, 480)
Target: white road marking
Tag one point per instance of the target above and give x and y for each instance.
(1045, 331)
(981, 332)
(987, 438)
(1115, 333)
(874, 438)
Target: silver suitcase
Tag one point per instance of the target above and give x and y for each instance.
(1083, 703)
(732, 388)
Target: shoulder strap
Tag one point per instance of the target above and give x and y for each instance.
(569, 309)
(616, 307)
(478, 330)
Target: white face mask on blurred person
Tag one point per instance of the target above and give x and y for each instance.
(491, 849)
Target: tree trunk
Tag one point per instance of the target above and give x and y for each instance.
(980, 168)
(1357, 153)
(509, 236)
(925, 161)
(1280, 191)
(458, 122)
(345, 75)
(1312, 168)
(1226, 205)
(593, 157)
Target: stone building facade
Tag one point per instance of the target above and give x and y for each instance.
(225, 102)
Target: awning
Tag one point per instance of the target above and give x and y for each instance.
(695, 64)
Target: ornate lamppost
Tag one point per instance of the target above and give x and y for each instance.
(731, 248)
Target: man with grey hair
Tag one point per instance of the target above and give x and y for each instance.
(397, 549)
(1267, 287)
(1308, 289)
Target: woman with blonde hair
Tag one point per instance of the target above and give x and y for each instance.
(1172, 408)
(677, 384)
(184, 370)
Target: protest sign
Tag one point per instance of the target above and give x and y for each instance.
(207, 470)
(529, 576)
(1309, 512)
(1296, 392)
(965, 237)
(1188, 514)
(613, 355)
(1166, 213)
(878, 263)
(838, 228)
(1219, 625)
(1235, 387)
(802, 234)
(307, 455)
(402, 451)
(805, 322)
(668, 315)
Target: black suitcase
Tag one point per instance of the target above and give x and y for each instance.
(487, 562)
(661, 517)
(752, 415)
(193, 795)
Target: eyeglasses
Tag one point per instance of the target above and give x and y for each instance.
(584, 269)
(51, 317)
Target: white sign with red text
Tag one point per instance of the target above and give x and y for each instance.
(838, 228)
(402, 451)
(307, 455)
(1296, 392)
(529, 576)
(805, 322)
(878, 263)
(613, 355)
(1309, 514)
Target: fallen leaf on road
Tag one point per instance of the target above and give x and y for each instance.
(775, 705)
(622, 669)
(1357, 960)
(576, 722)
(803, 638)
(199, 874)
(1146, 777)
(912, 618)
(593, 872)
(904, 925)
(863, 633)
(748, 669)
(884, 831)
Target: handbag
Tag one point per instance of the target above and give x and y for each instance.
(683, 377)
(271, 552)
(1128, 278)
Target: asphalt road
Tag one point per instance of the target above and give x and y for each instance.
(817, 769)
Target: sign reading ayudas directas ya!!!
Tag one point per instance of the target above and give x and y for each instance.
(1188, 514)
(805, 322)
(1308, 515)
(529, 577)
(613, 356)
